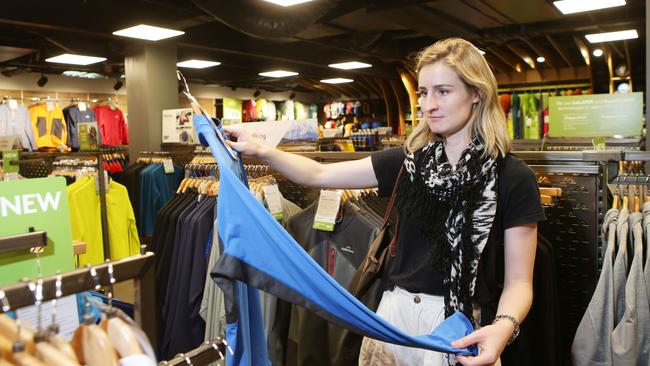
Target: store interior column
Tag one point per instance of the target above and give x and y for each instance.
(151, 86)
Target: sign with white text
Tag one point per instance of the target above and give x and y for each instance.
(41, 204)
(596, 115)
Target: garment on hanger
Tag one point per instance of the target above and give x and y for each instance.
(155, 188)
(339, 253)
(50, 131)
(112, 125)
(184, 328)
(631, 337)
(85, 219)
(16, 121)
(73, 116)
(260, 252)
(517, 123)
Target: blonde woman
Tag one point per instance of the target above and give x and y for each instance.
(460, 194)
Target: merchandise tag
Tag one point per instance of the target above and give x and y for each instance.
(50, 105)
(12, 103)
(62, 147)
(106, 182)
(82, 106)
(328, 208)
(168, 165)
(273, 200)
(528, 121)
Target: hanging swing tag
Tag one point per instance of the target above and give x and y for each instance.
(168, 165)
(328, 208)
(273, 200)
(12, 103)
(82, 106)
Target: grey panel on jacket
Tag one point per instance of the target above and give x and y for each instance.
(621, 265)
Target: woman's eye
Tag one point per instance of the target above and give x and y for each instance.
(443, 92)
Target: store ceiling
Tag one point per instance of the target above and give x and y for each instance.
(251, 36)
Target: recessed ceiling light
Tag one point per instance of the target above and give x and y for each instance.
(481, 52)
(197, 64)
(278, 73)
(83, 74)
(579, 6)
(287, 2)
(68, 58)
(612, 36)
(541, 59)
(148, 32)
(336, 81)
(597, 52)
(350, 65)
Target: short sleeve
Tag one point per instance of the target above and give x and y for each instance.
(386, 164)
(519, 194)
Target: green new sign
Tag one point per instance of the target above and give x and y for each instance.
(7, 157)
(596, 115)
(41, 204)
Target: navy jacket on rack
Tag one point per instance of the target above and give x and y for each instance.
(259, 252)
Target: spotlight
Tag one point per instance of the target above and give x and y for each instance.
(118, 85)
(292, 95)
(597, 52)
(42, 81)
(256, 93)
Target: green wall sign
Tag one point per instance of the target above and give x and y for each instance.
(232, 112)
(41, 204)
(596, 115)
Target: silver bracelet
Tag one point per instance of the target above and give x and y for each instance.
(514, 322)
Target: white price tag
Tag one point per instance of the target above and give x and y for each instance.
(328, 208)
(12, 103)
(273, 200)
(168, 165)
(66, 315)
(82, 106)
(528, 121)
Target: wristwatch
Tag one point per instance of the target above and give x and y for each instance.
(514, 322)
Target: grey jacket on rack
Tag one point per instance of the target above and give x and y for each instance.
(592, 342)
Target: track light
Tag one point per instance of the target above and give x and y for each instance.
(292, 95)
(256, 93)
(118, 85)
(42, 81)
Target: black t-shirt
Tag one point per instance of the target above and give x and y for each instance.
(518, 203)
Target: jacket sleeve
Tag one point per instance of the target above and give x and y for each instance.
(124, 135)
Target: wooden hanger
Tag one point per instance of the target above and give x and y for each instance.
(121, 336)
(637, 200)
(616, 199)
(9, 330)
(51, 356)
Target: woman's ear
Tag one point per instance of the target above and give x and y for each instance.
(476, 96)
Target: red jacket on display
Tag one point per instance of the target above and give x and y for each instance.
(112, 125)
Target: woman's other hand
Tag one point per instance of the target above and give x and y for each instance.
(491, 340)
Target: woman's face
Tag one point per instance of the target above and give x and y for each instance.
(445, 99)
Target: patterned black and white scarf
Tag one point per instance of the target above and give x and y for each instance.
(459, 205)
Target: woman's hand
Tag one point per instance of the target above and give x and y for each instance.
(244, 143)
(491, 340)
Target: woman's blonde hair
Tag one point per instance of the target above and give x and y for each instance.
(487, 118)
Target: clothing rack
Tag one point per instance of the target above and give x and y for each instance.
(137, 267)
(205, 354)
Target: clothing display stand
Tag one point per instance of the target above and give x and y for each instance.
(205, 354)
(23, 241)
(44, 164)
(137, 267)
